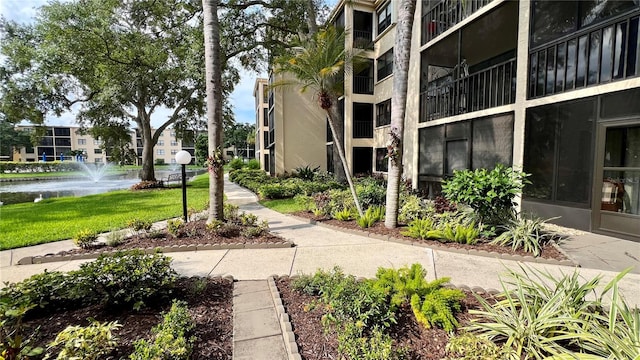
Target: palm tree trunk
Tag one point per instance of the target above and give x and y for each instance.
(401, 54)
(214, 107)
(332, 112)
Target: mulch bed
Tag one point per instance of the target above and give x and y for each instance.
(194, 233)
(315, 344)
(211, 309)
(548, 252)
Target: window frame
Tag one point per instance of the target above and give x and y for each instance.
(383, 118)
(384, 23)
(384, 65)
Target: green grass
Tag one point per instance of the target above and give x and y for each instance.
(40, 175)
(61, 218)
(285, 206)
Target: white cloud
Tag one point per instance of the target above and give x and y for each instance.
(21, 11)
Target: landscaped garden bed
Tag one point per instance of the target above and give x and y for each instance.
(130, 305)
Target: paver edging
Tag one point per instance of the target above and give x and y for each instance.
(48, 258)
(288, 336)
(476, 252)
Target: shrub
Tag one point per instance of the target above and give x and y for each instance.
(175, 226)
(525, 234)
(470, 347)
(431, 303)
(279, 190)
(144, 185)
(490, 193)
(171, 337)
(85, 238)
(228, 230)
(91, 342)
(248, 219)
(50, 290)
(253, 164)
(371, 192)
(255, 230)
(15, 342)
(540, 315)
(455, 232)
(354, 344)
(412, 208)
(304, 201)
(114, 237)
(128, 278)
(230, 211)
(306, 172)
(236, 164)
(441, 205)
(139, 225)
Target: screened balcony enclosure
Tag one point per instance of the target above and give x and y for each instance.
(472, 69)
(440, 15)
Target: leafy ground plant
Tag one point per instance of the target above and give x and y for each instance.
(91, 342)
(526, 234)
(547, 316)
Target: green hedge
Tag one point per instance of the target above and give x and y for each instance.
(37, 167)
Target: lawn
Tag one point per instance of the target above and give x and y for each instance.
(61, 218)
(285, 206)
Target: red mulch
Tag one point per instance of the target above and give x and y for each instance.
(315, 344)
(211, 309)
(548, 252)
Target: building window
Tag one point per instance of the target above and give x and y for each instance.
(385, 65)
(173, 160)
(97, 151)
(382, 162)
(446, 148)
(82, 141)
(160, 142)
(173, 152)
(62, 131)
(174, 143)
(172, 133)
(384, 18)
(383, 113)
(558, 142)
(97, 160)
(97, 142)
(160, 152)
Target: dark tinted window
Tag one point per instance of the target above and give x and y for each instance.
(621, 104)
(382, 162)
(62, 131)
(492, 142)
(431, 150)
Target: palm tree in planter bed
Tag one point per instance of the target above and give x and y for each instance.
(319, 63)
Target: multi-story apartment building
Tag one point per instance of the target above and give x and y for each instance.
(551, 87)
(261, 95)
(59, 142)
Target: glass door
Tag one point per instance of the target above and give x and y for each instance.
(617, 208)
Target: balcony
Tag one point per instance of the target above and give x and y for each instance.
(587, 58)
(362, 39)
(491, 87)
(445, 14)
(363, 85)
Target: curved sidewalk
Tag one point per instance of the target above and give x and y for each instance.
(321, 247)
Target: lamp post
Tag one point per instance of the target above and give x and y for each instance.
(183, 158)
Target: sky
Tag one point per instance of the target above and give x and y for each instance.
(24, 11)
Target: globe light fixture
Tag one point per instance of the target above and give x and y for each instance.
(183, 157)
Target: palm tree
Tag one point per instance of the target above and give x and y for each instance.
(319, 63)
(401, 54)
(213, 69)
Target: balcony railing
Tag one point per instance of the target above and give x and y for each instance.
(363, 85)
(363, 129)
(591, 57)
(362, 39)
(445, 14)
(491, 87)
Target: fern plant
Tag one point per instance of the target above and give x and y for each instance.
(419, 228)
(345, 214)
(431, 303)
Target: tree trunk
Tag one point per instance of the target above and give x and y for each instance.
(147, 173)
(339, 171)
(312, 23)
(332, 112)
(214, 108)
(401, 54)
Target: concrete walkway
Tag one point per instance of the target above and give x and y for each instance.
(322, 247)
